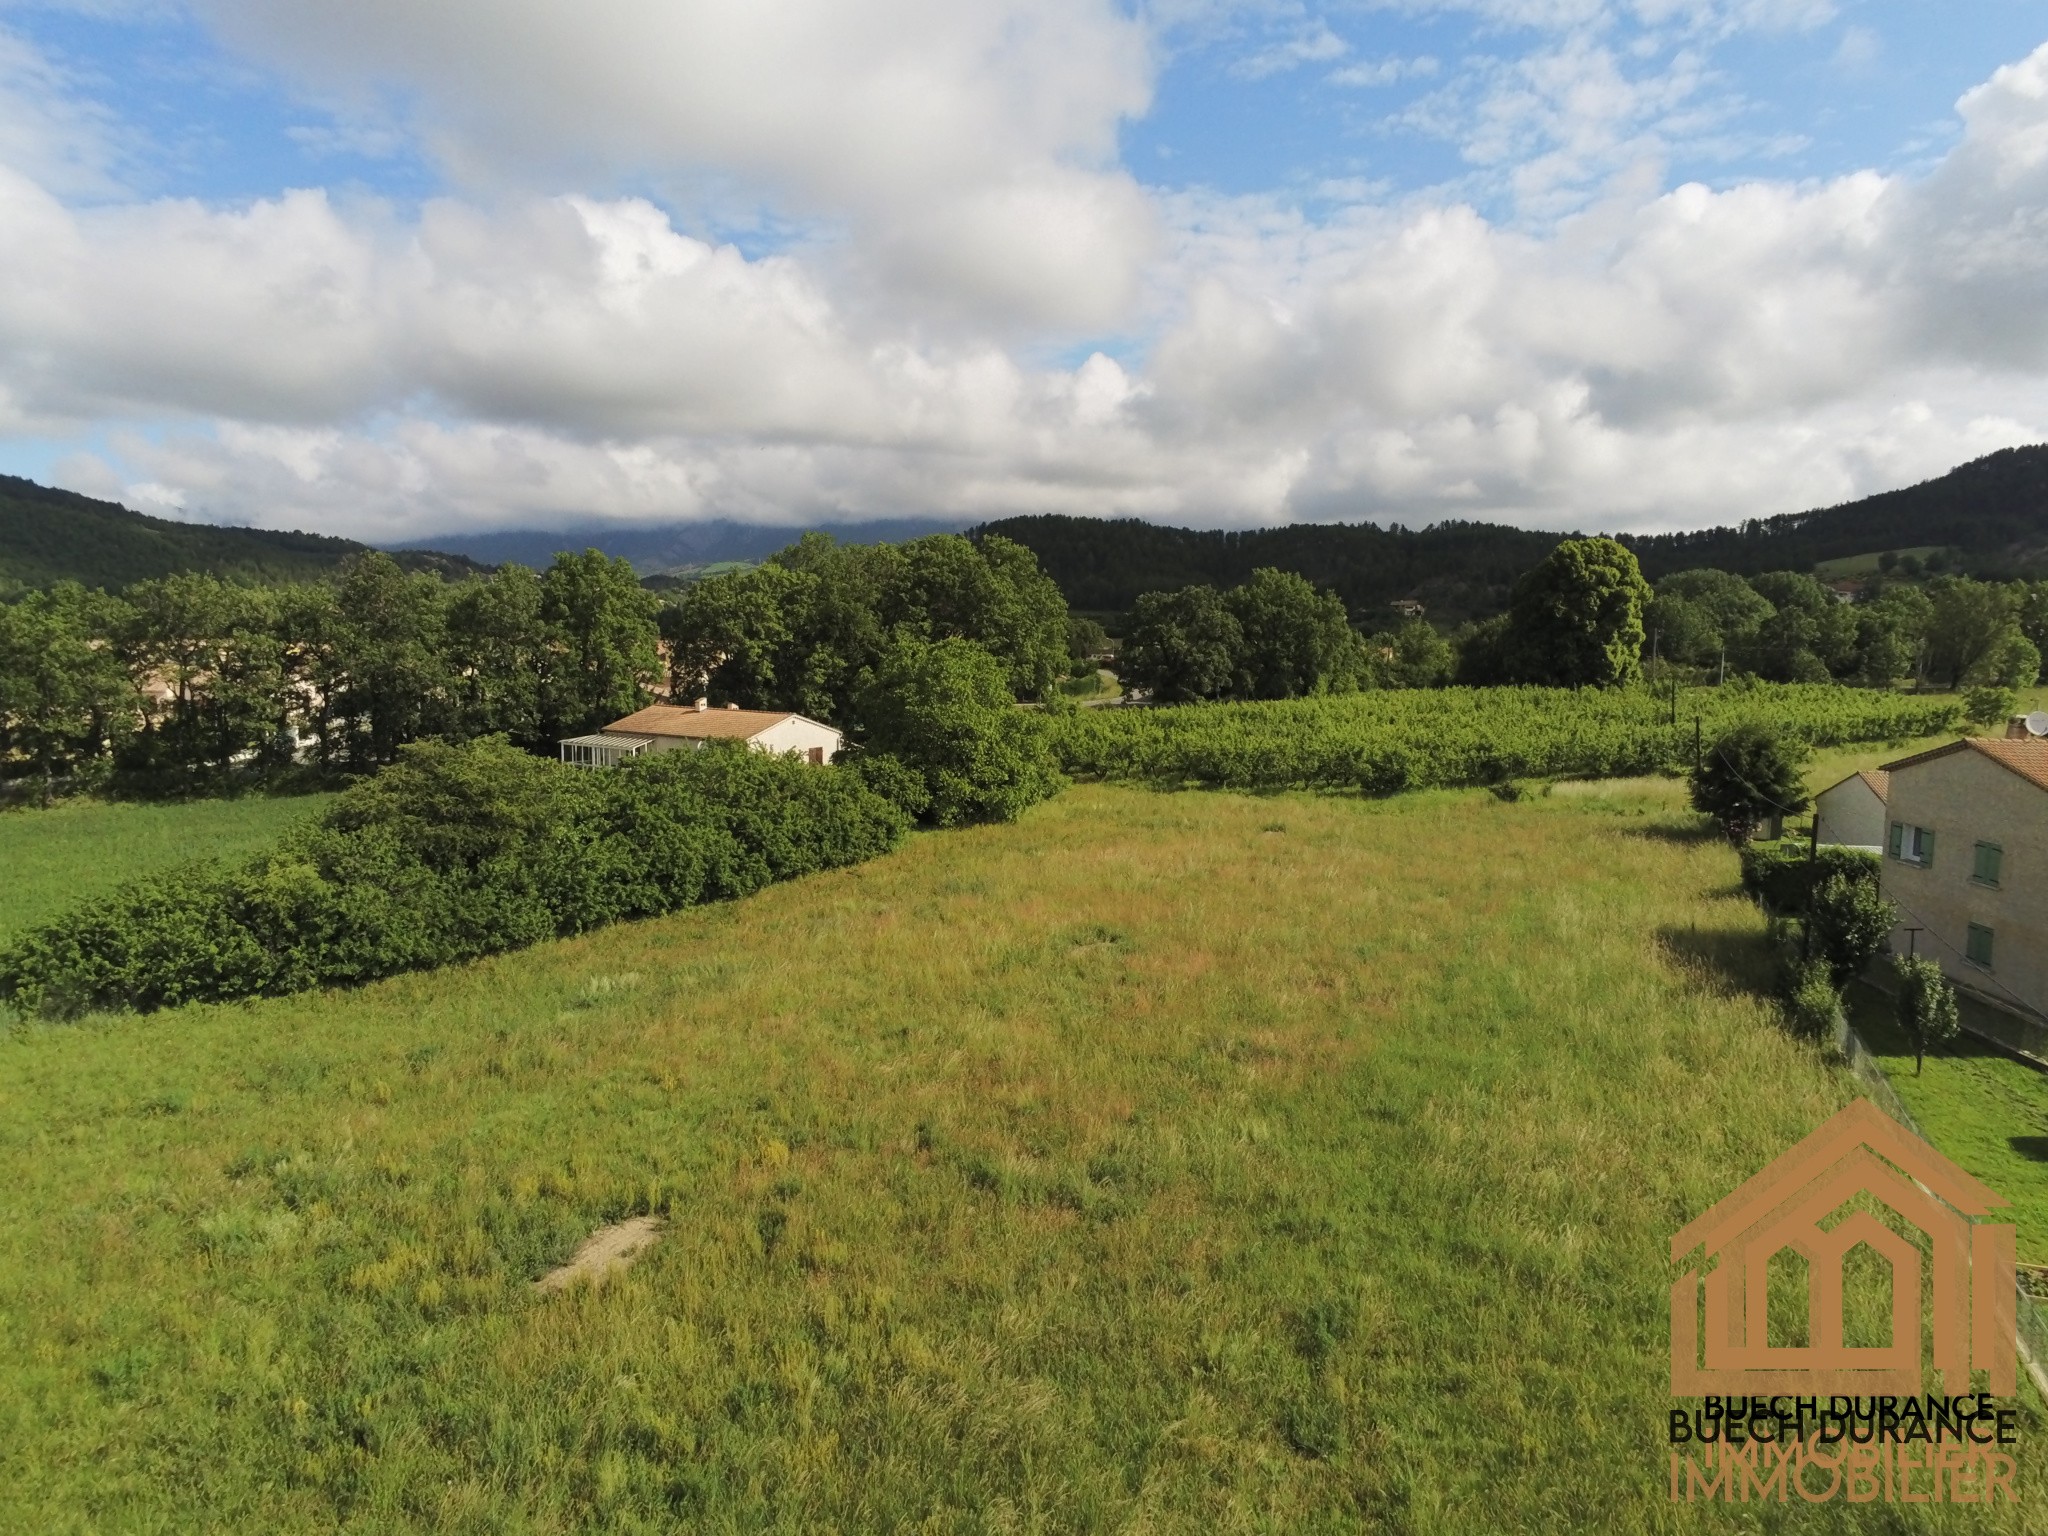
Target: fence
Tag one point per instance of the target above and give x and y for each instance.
(2033, 1326)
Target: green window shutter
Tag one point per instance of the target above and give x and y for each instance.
(1989, 857)
(1977, 947)
(1927, 847)
(1898, 838)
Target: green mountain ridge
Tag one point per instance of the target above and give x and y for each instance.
(47, 536)
(1993, 510)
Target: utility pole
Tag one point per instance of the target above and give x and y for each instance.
(1724, 668)
(1812, 868)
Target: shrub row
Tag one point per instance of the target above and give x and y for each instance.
(454, 852)
(1781, 874)
(1386, 741)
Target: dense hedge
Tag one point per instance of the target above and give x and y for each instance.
(452, 853)
(1780, 874)
(1382, 742)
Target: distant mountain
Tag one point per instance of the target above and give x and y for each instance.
(665, 549)
(1994, 510)
(47, 536)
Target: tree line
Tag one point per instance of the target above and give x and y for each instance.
(191, 677)
(1584, 617)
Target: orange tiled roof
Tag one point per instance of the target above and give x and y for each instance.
(2028, 759)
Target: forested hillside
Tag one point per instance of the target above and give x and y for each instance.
(1457, 570)
(47, 536)
(1994, 510)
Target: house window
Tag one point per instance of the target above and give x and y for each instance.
(1989, 857)
(1912, 845)
(1977, 947)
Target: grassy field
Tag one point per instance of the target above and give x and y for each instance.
(1867, 564)
(1164, 1162)
(80, 848)
(1980, 1106)
(1833, 764)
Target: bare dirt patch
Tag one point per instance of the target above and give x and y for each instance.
(604, 1253)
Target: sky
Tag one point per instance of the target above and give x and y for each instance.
(393, 269)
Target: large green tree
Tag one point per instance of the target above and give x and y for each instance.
(1577, 619)
(386, 646)
(1890, 629)
(944, 710)
(807, 629)
(64, 691)
(1700, 615)
(1413, 656)
(1968, 623)
(605, 643)
(1182, 646)
(212, 662)
(499, 655)
(1809, 637)
(1296, 640)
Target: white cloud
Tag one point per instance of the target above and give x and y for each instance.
(1708, 18)
(48, 129)
(1376, 72)
(1315, 44)
(1640, 356)
(986, 126)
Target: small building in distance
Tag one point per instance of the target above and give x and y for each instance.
(1852, 813)
(1407, 607)
(666, 727)
(1966, 860)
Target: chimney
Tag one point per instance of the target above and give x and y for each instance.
(2016, 729)
(702, 705)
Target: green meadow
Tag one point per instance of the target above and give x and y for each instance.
(79, 848)
(1162, 1162)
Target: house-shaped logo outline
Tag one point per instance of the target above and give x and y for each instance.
(1861, 1150)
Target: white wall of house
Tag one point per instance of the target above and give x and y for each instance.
(802, 737)
(1962, 801)
(796, 735)
(1850, 813)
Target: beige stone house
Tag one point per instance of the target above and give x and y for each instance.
(667, 727)
(1852, 813)
(1966, 859)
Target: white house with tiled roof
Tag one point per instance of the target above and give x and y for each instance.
(1966, 859)
(666, 727)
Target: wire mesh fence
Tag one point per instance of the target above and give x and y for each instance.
(2033, 1324)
